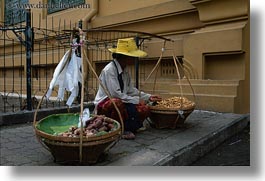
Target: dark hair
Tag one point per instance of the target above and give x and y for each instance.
(116, 56)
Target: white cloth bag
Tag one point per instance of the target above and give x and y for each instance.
(67, 74)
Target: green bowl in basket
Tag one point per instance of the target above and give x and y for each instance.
(58, 123)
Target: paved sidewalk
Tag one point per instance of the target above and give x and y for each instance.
(235, 151)
(203, 132)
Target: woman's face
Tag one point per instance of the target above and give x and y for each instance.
(125, 60)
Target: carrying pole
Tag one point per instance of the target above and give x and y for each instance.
(28, 37)
(82, 38)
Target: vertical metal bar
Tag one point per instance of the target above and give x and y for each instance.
(52, 41)
(13, 67)
(91, 76)
(28, 56)
(80, 24)
(39, 69)
(22, 75)
(136, 63)
(33, 91)
(46, 57)
(59, 41)
(4, 72)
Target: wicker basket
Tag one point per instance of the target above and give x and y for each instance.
(169, 118)
(67, 149)
(80, 149)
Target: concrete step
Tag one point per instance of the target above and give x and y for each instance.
(199, 87)
(163, 147)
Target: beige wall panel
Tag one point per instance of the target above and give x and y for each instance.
(244, 92)
(127, 12)
(99, 56)
(51, 56)
(8, 35)
(38, 57)
(188, 21)
(222, 10)
(196, 44)
(224, 67)
(11, 46)
(12, 60)
(110, 7)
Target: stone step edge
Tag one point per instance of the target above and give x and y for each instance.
(194, 151)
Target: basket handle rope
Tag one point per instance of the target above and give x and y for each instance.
(83, 54)
(152, 71)
(187, 77)
(175, 60)
(66, 62)
(37, 109)
(180, 86)
(35, 122)
(108, 94)
(105, 91)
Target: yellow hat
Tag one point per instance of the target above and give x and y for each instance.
(127, 46)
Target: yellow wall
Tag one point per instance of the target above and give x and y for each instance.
(212, 36)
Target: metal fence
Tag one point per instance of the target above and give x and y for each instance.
(29, 54)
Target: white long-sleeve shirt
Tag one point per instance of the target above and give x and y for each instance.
(109, 78)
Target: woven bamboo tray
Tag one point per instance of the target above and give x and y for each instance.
(67, 149)
(169, 118)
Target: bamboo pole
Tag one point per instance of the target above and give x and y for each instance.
(82, 97)
(105, 90)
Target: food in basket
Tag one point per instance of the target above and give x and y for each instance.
(175, 102)
(99, 124)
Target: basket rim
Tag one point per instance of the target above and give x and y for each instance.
(171, 112)
(76, 139)
(154, 108)
(84, 144)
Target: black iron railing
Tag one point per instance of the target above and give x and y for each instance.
(29, 55)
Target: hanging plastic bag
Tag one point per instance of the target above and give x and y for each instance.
(85, 117)
(67, 75)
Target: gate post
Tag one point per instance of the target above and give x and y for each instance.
(28, 38)
(136, 63)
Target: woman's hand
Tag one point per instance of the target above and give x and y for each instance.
(154, 98)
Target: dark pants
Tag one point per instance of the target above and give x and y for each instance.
(132, 115)
(133, 122)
